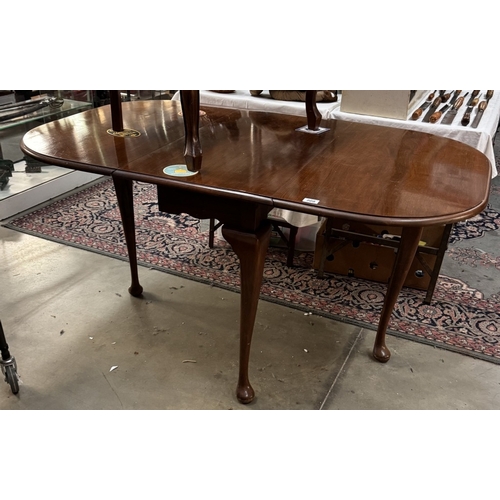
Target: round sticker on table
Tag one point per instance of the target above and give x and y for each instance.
(126, 132)
(178, 171)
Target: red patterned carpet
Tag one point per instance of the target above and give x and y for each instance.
(460, 318)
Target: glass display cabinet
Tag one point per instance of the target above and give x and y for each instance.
(23, 184)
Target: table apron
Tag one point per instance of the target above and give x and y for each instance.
(234, 213)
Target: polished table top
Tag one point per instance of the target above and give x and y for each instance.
(255, 161)
(357, 171)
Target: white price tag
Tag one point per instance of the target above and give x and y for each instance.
(310, 200)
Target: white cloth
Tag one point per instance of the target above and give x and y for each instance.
(242, 99)
(480, 138)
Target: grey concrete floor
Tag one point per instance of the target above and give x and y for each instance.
(69, 319)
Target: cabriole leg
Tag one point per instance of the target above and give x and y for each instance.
(124, 194)
(410, 238)
(251, 249)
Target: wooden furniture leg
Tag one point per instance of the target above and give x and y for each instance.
(291, 245)
(211, 232)
(410, 238)
(116, 110)
(324, 249)
(124, 194)
(190, 103)
(290, 240)
(312, 111)
(251, 248)
(437, 265)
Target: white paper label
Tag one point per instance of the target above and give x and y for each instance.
(310, 200)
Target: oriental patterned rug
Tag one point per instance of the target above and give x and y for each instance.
(464, 315)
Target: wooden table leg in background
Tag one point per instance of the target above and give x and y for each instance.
(190, 103)
(251, 248)
(312, 111)
(443, 246)
(124, 194)
(410, 238)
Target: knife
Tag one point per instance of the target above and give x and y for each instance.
(474, 94)
(437, 115)
(466, 118)
(435, 103)
(480, 111)
(418, 112)
(446, 96)
(450, 115)
(455, 97)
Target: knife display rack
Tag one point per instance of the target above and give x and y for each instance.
(453, 107)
